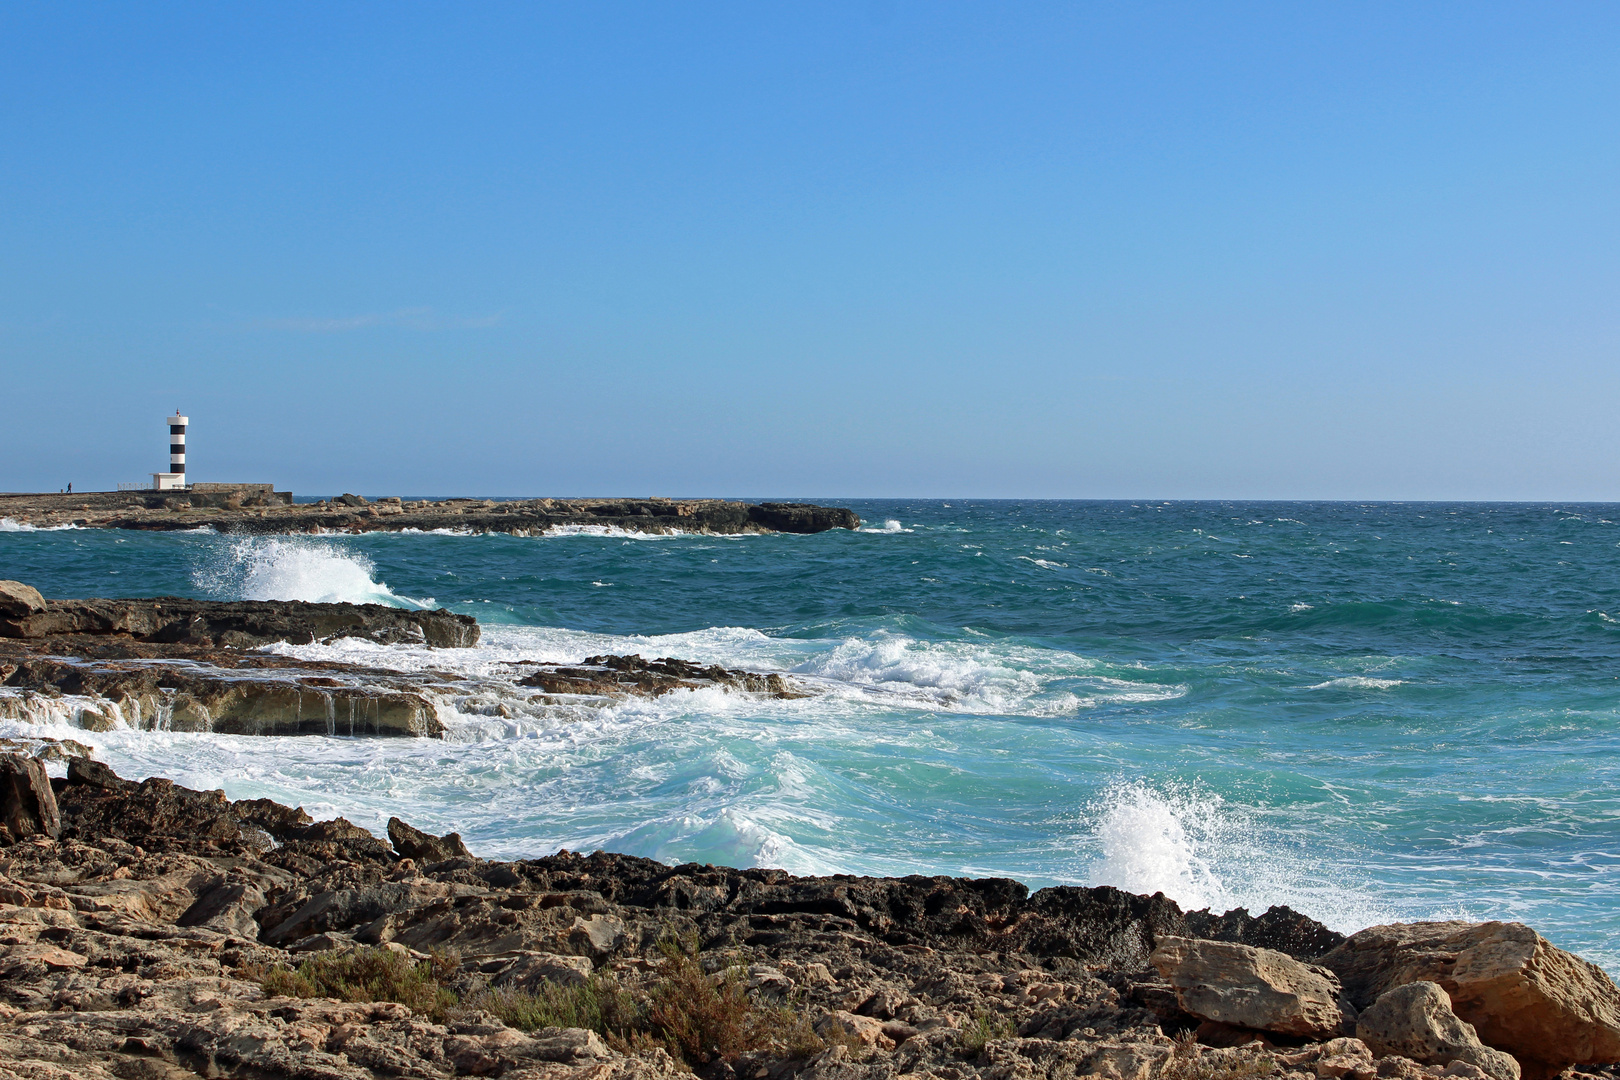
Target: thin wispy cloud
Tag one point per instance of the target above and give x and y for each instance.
(423, 319)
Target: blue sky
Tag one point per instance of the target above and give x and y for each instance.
(873, 249)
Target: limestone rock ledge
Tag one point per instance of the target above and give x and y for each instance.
(137, 920)
(191, 665)
(240, 624)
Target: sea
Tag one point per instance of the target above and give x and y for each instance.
(1369, 712)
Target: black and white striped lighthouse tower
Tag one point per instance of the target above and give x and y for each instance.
(175, 478)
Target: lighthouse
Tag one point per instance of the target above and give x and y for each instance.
(175, 478)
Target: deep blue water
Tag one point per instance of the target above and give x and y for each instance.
(1369, 712)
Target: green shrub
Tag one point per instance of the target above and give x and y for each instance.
(598, 1003)
(984, 1028)
(697, 1017)
(368, 975)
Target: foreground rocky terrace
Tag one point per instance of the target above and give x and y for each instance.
(150, 931)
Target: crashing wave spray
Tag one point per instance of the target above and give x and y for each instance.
(282, 568)
(1155, 842)
(1204, 852)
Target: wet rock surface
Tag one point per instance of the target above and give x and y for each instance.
(136, 944)
(250, 512)
(240, 624)
(187, 665)
(614, 676)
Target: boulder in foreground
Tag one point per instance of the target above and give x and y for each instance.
(1546, 1007)
(1246, 987)
(18, 601)
(1416, 1021)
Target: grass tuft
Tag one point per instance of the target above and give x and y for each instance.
(1188, 1061)
(984, 1028)
(599, 1003)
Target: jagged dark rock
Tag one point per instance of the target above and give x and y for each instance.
(425, 847)
(186, 665)
(237, 624)
(615, 676)
(206, 689)
(27, 804)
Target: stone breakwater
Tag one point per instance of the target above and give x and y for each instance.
(147, 930)
(246, 512)
(174, 664)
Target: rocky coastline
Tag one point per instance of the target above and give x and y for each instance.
(250, 511)
(177, 664)
(151, 931)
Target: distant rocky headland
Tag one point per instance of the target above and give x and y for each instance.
(255, 509)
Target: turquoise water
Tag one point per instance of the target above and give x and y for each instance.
(1369, 712)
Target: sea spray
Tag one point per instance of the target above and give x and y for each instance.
(1154, 841)
(1203, 851)
(295, 568)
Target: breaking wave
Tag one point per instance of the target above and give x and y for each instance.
(289, 568)
(610, 530)
(9, 525)
(1357, 682)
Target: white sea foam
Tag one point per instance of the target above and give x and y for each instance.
(973, 676)
(889, 526)
(1357, 682)
(884, 671)
(9, 525)
(296, 568)
(729, 837)
(609, 530)
(64, 711)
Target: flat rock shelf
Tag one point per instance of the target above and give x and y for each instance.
(248, 511)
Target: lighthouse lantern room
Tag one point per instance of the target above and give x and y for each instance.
(175, 478)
